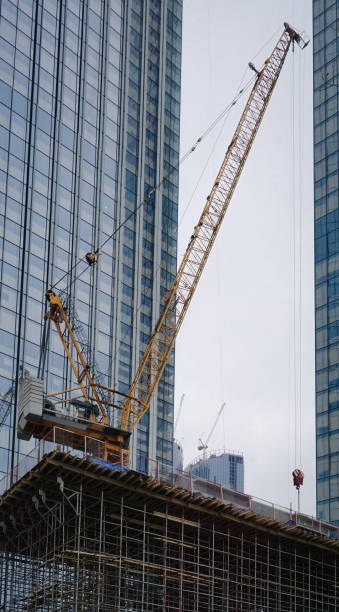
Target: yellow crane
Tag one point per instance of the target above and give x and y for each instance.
(90, 412)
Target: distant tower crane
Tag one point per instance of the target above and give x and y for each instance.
(179, 413)
(90, 414)
(203, 446)
(6, 403)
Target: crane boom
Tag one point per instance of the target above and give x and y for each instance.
(179, 413)
(204, 445)
(215, 423)
(178, 299)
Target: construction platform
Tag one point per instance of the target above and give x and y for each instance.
(79, 535)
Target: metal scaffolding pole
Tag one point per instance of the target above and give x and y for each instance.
(102, 545)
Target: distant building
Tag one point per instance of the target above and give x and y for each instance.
(178, 456)
(326, 234)
(224, 467)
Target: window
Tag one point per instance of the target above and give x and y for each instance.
(125, 351)
(131, 181)
(103, 342)
(126, 330)
(129, 234)
(145, 319)
(147, 263)
(128, 272)
(146, 301)
(127, 291)
(44, 121)
(126, 309)
(144, 338)
(128, 253)
(146, 282)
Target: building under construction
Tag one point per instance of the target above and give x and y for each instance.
(80, 534)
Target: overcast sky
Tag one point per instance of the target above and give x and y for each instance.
(248, 338)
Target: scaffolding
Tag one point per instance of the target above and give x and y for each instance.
(76, 535)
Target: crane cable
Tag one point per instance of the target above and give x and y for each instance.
(189, 152)
(157, 270)
(295, 336)
(292, 441)
(301, 115)
(240, 92)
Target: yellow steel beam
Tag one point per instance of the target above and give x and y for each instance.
(80, 369)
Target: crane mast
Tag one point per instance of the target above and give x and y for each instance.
(179, 297)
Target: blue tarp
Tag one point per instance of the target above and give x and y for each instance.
(108, 464)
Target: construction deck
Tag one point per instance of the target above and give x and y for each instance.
(76, 535)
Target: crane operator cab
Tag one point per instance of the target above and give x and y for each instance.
(71, 423)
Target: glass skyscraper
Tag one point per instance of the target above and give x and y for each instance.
(90, 103)
(326, 151)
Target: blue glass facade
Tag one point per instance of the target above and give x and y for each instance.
(89, 103)
(326, 91)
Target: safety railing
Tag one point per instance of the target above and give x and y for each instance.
(85, 446)
(55, 439)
